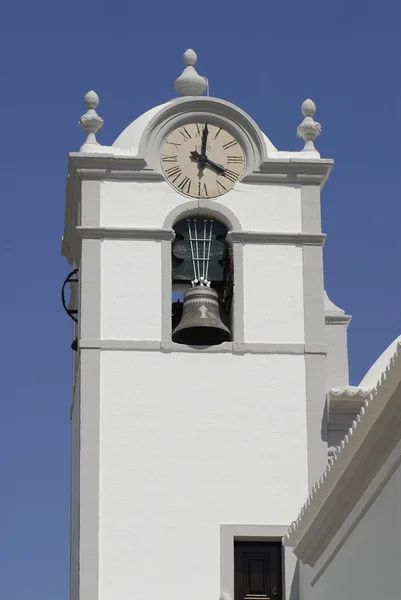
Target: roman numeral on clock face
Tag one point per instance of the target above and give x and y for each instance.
(230, 144)
(185, 133)
(173, 172)
(235, 159)
(202, 189)
(169, 159)
(220, 187)
(185, 185)
(231, 175)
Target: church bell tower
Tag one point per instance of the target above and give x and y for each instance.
(199, 370)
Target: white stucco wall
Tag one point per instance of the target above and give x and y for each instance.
(337, 355)
(131, 290)
(190, 441)
(273, 294)
(275, 208)
(75, 488)
(363, 560)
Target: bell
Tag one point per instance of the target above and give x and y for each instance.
(201, 324)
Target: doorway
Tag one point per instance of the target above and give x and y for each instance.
(257, 571)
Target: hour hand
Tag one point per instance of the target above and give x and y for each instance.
(202, 160)
(215, 166)
(195, 154)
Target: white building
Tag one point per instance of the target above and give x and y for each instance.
(190, 460)
(348, 535)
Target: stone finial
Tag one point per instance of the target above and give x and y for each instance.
(90, 121)
(189, 83)
(309, 129)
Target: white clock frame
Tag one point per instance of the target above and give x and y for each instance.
(200, 109)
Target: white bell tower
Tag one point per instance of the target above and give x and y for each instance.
(182, 451)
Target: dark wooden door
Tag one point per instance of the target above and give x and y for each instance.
(257, 571)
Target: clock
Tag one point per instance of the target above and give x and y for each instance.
(202, 160)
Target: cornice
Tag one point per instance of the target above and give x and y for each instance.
(337, 319)
(280, 170)
(226, 347)
(345, 402)
(110, 166)
(266, 237)
(348, 391)
(134, 233)
(370, 440)
(292, 170)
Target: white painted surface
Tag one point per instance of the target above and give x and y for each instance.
(273, 294)
(130, 138)
(337, 355)
(274, 208)
(75, 490)
(137, 204)
(362, 562)
(373, 375)
(131, 290)
(189, 441)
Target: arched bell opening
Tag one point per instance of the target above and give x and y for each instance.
(202, 282)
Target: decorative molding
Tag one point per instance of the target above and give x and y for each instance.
(292, 170)
(315, 348)
(168, 346)
(348, 391)
(127, 233)
(134, 168)
(345, 400)
(370, 440)
(331, 319)
(266, 237)
(111, 167)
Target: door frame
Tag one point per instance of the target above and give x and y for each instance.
(230, 532)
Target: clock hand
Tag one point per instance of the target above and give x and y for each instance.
(218, 168)
(207, 161)
(203, 156)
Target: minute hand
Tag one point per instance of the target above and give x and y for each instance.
(202, 159)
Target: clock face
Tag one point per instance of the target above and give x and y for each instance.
(202, 160)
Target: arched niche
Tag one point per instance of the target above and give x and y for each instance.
(173, 290)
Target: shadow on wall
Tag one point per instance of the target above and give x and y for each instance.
(294, 592)
(325, 418)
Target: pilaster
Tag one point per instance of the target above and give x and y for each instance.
(314, 335)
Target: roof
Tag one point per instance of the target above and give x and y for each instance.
(375, 371)
(373, 435)
(130, 138)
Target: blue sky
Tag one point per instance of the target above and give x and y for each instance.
(265, 57)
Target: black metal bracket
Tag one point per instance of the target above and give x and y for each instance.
(69, 279)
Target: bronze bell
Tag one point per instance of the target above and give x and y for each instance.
(200, 323)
